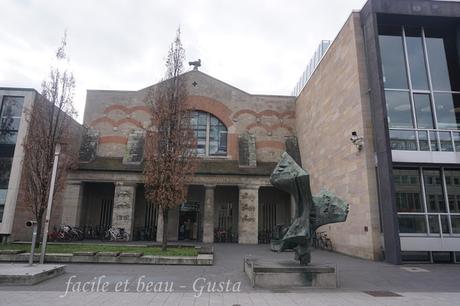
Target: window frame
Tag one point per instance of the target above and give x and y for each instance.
(208, 134)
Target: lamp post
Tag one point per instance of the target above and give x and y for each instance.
(50, 203)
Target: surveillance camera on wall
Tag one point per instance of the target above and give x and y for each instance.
(30, 223)
(357, 140)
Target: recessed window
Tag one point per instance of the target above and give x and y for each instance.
(210, 134)
(5, 169)
(10, 117)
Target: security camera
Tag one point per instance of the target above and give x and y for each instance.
(30, 223)
(357, 140)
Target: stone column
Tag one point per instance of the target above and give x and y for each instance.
(208, 218)
(123, 207)
(248, 214)
(71, 203)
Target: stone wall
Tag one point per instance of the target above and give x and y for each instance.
(334, 103)
(119, 114)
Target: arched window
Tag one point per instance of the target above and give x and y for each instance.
(210, 133)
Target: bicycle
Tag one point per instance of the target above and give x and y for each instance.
(115, 234)
(321, 241)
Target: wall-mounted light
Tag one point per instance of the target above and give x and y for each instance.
(357, 140)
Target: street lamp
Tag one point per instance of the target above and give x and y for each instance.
(57, 151)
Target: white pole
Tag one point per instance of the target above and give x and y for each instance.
(50, 203)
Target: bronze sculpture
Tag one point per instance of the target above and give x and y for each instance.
(311, 213)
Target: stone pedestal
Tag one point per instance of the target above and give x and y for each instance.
(123, 207)
(208, 220)
(278, 275)
(248, 215)
(71, 203)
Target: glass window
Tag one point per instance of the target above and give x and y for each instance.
(433, 221)
(453, 189)
(442, 51)
(423, 111)
(447, 110)
(456, 137)
(11, 110)
(455, 224)
(403, 140)
(433, 190)
(5, 168)
(416, 59)
(2, 202)
(408, 190)
(423, 141)
(399, 109)
(446, 141)
(210, 133)
(412, 224)
(392, 55)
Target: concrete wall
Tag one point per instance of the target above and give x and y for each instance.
(115, 114)
(332, 105)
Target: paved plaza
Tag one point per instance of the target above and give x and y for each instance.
(361, 282)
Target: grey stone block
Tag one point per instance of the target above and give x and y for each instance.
(276, 275)
(205, 259)
(20, 274)
(11, 252)
(131, 254)
(84, 253)
(108, 254)
(58, 257)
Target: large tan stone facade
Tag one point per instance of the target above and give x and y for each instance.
(332, 105)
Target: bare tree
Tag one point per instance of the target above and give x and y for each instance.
(49, 124)
(169, 148)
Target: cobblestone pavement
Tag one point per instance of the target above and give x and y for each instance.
(425, 285)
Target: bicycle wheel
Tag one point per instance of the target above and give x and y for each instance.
(105, 236)
(328, 244)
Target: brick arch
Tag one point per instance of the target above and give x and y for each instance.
(269, 128)
(216, 108)
(115, 123)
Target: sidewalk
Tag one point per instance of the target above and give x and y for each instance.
(422, 284)
(232, 299)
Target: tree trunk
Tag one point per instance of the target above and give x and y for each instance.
(164, 242)
(39, 231)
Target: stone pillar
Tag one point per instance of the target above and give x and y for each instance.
(71, 203)
(248, 214)
(123, 207)
(208, 219)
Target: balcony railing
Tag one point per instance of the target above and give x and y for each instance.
(425, 140)
(429, 224)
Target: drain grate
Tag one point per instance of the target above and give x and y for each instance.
(382, 294)
(414, 269)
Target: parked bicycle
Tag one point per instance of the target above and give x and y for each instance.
(321, 241)
(115, 234)
(66, 233)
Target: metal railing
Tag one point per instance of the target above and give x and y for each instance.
(425, 140)
(434, 224)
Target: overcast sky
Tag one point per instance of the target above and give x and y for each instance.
(259, 46)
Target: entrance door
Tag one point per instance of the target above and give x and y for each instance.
(189, 221)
